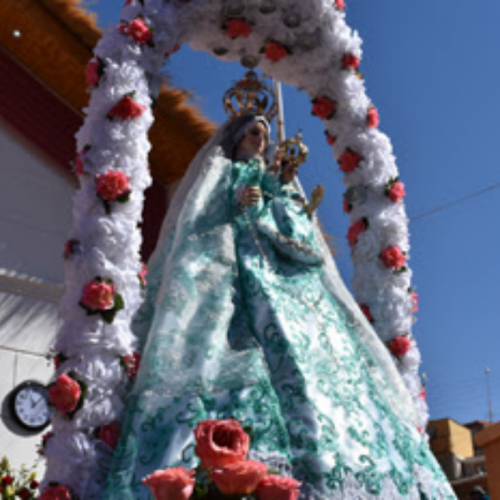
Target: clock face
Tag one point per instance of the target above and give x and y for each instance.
(30, 406)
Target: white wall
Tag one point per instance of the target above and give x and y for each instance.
(35, 217)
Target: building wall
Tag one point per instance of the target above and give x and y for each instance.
(449, 437)
(35, 216)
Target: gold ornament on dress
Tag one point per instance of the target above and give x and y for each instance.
(294, 150)
(250, 96)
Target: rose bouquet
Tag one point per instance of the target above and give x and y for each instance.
(224, 472)
(16, 485)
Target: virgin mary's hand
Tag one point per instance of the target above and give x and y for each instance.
(251, 196)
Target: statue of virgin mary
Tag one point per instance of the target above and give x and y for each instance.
(244, 319)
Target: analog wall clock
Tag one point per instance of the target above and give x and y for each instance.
(29, 406)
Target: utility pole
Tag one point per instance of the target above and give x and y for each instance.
(280, 121)
(488, 388)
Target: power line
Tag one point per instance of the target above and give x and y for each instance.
(456, 202)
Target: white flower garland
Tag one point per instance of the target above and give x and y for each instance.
(307, 44)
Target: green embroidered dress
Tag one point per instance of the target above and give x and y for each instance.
(240, 321)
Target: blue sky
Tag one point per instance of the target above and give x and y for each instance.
(432, 68)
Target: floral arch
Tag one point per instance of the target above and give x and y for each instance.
(306, 44)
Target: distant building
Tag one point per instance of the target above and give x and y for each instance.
(453, 447)
(489, 439)
(475, 427)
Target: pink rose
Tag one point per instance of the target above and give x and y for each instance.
(423, 394)
(349, 160)
(414, 297)
(175, 483)
(237, 28)
(324, 107)
(372, 118)
(140, 31)
(366, 311)
(110, 434)
(93, 73)
(142, 275)
(393, 257)
(221, 442)
(65, 393)
(126, 109)
(274, 51)
(278, 488)
(330, 139)
(58, 492)
(399, 346)
(240, 478)
(350, 61)
(98, 295)
(396, 191)
(354, 231)
(112, 185)
(340, 4)
(131, 363)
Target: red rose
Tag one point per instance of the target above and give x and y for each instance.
(220, 442)
(131, 363)
(330, 139)
(126, 109)
(350, 61)
(240, 478)
(25, 494)
(175, 483)
(57, 361)
(278, 488)
(324, 107)
(349, 160)
(354, 231)
(366, 311)
(34, 484)
(110, 434)
(173, 51)
(396, 191)
(372, 118)
(7, 480)
(237, 28)
(70, 247)
(340, 4)
(55, 493)
(399, 346)
(65, 393)
(346, 206)
(112, 185)
(138, 30)
(93, 73)
(98, 295)
(274, 51)
(393, 257)
(414, 297)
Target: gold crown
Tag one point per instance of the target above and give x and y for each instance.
(294, 150)
(250, 96)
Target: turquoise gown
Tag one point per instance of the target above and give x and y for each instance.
(238, 322)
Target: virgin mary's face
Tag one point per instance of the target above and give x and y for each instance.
(254, 141)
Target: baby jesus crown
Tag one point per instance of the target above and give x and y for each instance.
(294, 150)
(250, 96)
